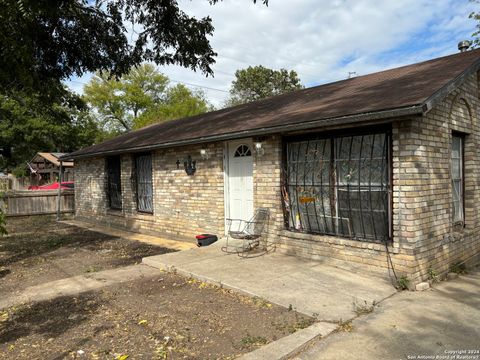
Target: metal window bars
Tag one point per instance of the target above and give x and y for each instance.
(339, 186)
(144, 182)
(114, 186)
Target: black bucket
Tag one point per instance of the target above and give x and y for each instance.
(206, 239)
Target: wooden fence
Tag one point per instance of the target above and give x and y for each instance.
(21, 203)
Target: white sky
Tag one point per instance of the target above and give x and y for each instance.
(320, 39)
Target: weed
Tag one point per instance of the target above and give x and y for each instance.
(253, 340)
(300, 323)
(432, 275)
(261, 302)
(346, 326)
(363, 308)
(53, 243)
(92, 269)
(458, 268)
(403, 282)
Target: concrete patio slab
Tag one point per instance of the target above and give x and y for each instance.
(439, 323)
(312, 288)
(291, 345)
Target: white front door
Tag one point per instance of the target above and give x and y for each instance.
(240, 180)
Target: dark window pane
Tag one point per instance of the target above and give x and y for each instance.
(143, 167)
(114, 186)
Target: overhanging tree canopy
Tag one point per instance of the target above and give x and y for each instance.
(43, 42)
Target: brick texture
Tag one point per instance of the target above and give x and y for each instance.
(424, 235)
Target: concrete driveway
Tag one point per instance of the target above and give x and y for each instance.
(310, 287)
(413, 325)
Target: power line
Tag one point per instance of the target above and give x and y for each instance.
(176, 81)
(199, 86)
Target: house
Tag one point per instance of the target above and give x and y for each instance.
(45, 168)
(371, 172)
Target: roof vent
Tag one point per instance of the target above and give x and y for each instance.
(464, 45)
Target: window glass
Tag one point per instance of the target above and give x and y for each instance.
(242, 150)
(457, 177)
(339, 186)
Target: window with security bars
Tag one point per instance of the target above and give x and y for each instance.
(457, 178)
(144, 182)
(114, 185)
(339, 186)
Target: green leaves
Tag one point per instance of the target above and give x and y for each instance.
(28, 125)
(475, 16)
(141, 97)
(259, 82)
(44, 42)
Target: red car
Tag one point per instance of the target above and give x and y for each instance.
(53, 186)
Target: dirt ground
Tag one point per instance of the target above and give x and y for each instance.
(39, 250)
(165, 317)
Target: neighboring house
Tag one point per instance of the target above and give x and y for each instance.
(354, 172)
(45, 168)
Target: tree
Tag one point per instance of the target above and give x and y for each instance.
(118, 103)
(476, 35)
(139, 98)
(179, 102)
(44, 42)
(259, 82)
(27, 126)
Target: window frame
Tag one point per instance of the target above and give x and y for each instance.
(333, 183)
(461, 137)
(136, 181)
(242, 153)
(109, 172)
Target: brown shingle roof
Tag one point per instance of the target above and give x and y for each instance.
(413, 86)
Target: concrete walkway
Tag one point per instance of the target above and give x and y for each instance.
(413, 325)
(78, 284)
(129, 235)
(310, 287)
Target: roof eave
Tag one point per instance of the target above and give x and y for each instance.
(348, 119)
(442, 93)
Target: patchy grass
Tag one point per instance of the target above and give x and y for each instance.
(164, 317)
(45, 250)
